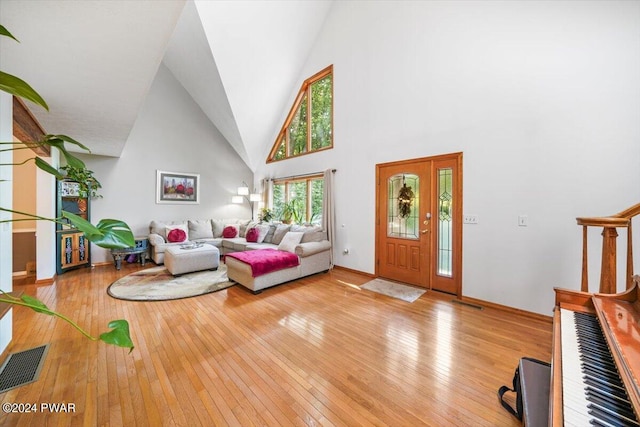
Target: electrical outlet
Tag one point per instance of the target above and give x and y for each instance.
(470, 219)
(523, 220)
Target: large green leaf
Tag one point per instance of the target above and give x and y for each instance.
(36, 304)
(18, 87)
(58, 141)
(6, 33)
(108, 233)
(48, 168)
(119, 334)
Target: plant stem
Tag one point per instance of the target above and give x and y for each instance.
(16, 164)
(39, 309)
(27, 214)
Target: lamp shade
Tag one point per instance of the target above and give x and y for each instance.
(243, 191)
(236, 199)
(254, 197)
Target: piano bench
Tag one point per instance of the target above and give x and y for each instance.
(535, 381)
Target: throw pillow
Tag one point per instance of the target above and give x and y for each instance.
(230, 231)
(176, 233)
(200, 229)
(252, 235)
(269, 237)
(263, 229)
(290, 241)
(279, 233)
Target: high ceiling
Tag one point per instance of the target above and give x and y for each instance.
(94, 62)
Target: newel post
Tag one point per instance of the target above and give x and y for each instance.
(608, 269)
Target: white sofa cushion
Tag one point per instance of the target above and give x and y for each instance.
(278, 234)
(290, 241)
(200, 229)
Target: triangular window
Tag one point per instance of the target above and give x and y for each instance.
(309, 125)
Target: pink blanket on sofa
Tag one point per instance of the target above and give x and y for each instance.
(263, 261)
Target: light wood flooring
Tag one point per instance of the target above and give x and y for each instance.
(317, 351)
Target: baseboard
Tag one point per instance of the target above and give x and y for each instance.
(350, 270)
(100, 264)
(524, 313)
(48, 281)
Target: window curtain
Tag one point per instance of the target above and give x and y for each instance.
(328, 210)
(267, 192)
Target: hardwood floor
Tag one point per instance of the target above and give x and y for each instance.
(317, 351)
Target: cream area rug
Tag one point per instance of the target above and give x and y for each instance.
(392, 289)
(157, 284)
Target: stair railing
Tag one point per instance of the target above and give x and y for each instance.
(608, 270)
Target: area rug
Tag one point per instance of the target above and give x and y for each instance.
(392, 289)
(157, 284)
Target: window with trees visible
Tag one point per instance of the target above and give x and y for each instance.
(309, 125)
(298, 200)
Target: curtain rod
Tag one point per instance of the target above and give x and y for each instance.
(301, 176)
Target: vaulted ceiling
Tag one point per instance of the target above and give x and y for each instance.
(94, 62)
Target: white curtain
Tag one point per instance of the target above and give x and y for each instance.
(328, 210)
(267, 191)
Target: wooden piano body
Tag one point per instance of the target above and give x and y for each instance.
(619, 318)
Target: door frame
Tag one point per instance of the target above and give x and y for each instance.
(457, 216)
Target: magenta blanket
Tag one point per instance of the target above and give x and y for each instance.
(263, 261)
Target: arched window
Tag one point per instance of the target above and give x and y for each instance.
(309, 125)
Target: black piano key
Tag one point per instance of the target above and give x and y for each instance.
(606, 416)
(600, 423)
(593, 360)
(619, 407)
(609, 376)
(605, 386)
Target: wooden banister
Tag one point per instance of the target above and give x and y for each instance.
(608, 270)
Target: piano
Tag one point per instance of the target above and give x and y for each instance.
(595, 365)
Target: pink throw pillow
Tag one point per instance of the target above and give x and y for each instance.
(252, 235)
(176, 235)
(229, 232)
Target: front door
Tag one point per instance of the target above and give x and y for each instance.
(418, 222)
(403, 222)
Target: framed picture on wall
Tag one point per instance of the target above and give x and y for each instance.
(177, 187)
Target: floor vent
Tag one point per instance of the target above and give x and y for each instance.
(477, 307)
(22, 368)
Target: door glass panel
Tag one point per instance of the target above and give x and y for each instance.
(445, 222)
(403, 206)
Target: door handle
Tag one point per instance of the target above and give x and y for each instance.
(425, 231)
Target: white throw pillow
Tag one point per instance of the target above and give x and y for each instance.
(263, 229)
(290, 241)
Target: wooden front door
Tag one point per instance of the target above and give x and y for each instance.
(419, 222)
(403, 222)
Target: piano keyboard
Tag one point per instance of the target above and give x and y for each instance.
(592, 391)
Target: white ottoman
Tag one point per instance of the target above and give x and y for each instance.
(181, 261)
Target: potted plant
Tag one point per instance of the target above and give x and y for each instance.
(88, 184)
(266, 215)
(292, 212)
(108, 233)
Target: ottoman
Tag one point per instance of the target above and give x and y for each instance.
(181, 261)
(262, 268)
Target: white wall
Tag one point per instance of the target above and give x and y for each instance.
(6, 201)
(543, 99)
(170, 134)
(46, 230)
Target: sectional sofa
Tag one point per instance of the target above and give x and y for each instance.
(313, 249)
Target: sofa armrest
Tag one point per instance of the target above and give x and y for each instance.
(156, 239)
(312, 248)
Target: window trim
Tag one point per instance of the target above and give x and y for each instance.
(309, 199)
(305, 89)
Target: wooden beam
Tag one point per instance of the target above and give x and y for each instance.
(27, 129)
